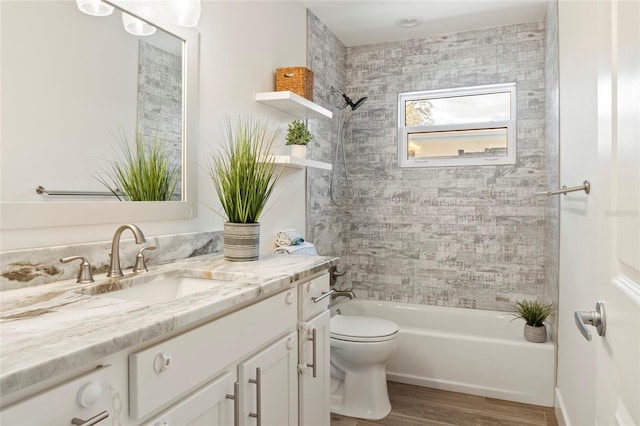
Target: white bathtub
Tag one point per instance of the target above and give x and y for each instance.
(464, 350)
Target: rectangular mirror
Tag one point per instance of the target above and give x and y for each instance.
(72, 86)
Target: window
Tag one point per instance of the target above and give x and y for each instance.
(457, 127)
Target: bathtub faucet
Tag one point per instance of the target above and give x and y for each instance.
(348, 293)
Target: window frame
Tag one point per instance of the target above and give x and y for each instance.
(404, 131)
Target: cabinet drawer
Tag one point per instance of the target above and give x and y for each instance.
(311, 290)
(164, 372)
(59, 405)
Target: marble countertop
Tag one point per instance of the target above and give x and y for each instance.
(50, 329)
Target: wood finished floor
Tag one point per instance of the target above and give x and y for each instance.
(418, 406)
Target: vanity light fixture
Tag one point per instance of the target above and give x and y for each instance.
(136, 26)
(408, 22)
(94, 7)
(185, 13)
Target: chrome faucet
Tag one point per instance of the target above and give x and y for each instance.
(115, 271)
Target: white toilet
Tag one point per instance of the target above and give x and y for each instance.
(360, 347)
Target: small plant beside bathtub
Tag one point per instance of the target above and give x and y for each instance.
(534, 314)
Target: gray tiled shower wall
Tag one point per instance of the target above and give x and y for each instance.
(456, 236)
(552, 163)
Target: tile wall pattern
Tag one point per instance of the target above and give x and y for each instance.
(457, 236)
(552, 158)
(326, 224)
(160, 100)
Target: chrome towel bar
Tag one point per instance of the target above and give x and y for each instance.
(586, 187)
(40, 190)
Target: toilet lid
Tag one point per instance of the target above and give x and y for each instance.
(348, 327)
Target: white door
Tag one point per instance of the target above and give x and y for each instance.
(269, 385)
(618, 277)
(599, 380)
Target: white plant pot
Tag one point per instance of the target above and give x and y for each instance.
(299, 151)
(535, 334)
(241, 241)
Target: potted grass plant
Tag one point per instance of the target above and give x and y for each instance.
(243, 175)
(534, 314)
(298, 136)
(145, 172)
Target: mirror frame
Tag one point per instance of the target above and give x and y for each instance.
(44, 214)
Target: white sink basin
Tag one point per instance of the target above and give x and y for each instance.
(165, 289)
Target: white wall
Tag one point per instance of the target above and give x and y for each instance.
(576, 377)
(241, 45)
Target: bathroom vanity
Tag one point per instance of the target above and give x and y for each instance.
(252, 349)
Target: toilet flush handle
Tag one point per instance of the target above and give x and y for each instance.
(325, 294)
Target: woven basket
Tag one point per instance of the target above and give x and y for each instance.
(299, 80)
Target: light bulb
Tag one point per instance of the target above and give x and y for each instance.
(94, 7)
(136, 26)
(186, 12)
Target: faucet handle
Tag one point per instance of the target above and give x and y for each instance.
(334, 273)
(84, 275)
(141, 265)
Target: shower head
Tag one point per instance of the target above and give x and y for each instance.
(348, 101)
(358, 103)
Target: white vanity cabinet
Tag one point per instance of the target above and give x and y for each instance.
(314, 380)
(266, 364)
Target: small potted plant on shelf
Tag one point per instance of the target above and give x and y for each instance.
(243, 175)
(534, 314)
(298, 137)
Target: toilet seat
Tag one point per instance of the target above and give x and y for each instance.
(362, 329)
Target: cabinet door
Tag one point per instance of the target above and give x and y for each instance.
(209, 405)
(269, 385)
(315, 388)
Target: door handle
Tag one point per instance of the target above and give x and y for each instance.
(314, 364)
(90, 422)
(236, 403)
(258, 382)
(595, 318)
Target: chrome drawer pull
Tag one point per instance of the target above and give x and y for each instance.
(314, 360)
(92, 421)
(325, 294)
(236, 405)
(258, 414)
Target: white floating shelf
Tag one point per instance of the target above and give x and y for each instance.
(300, 163)
(293, 104)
